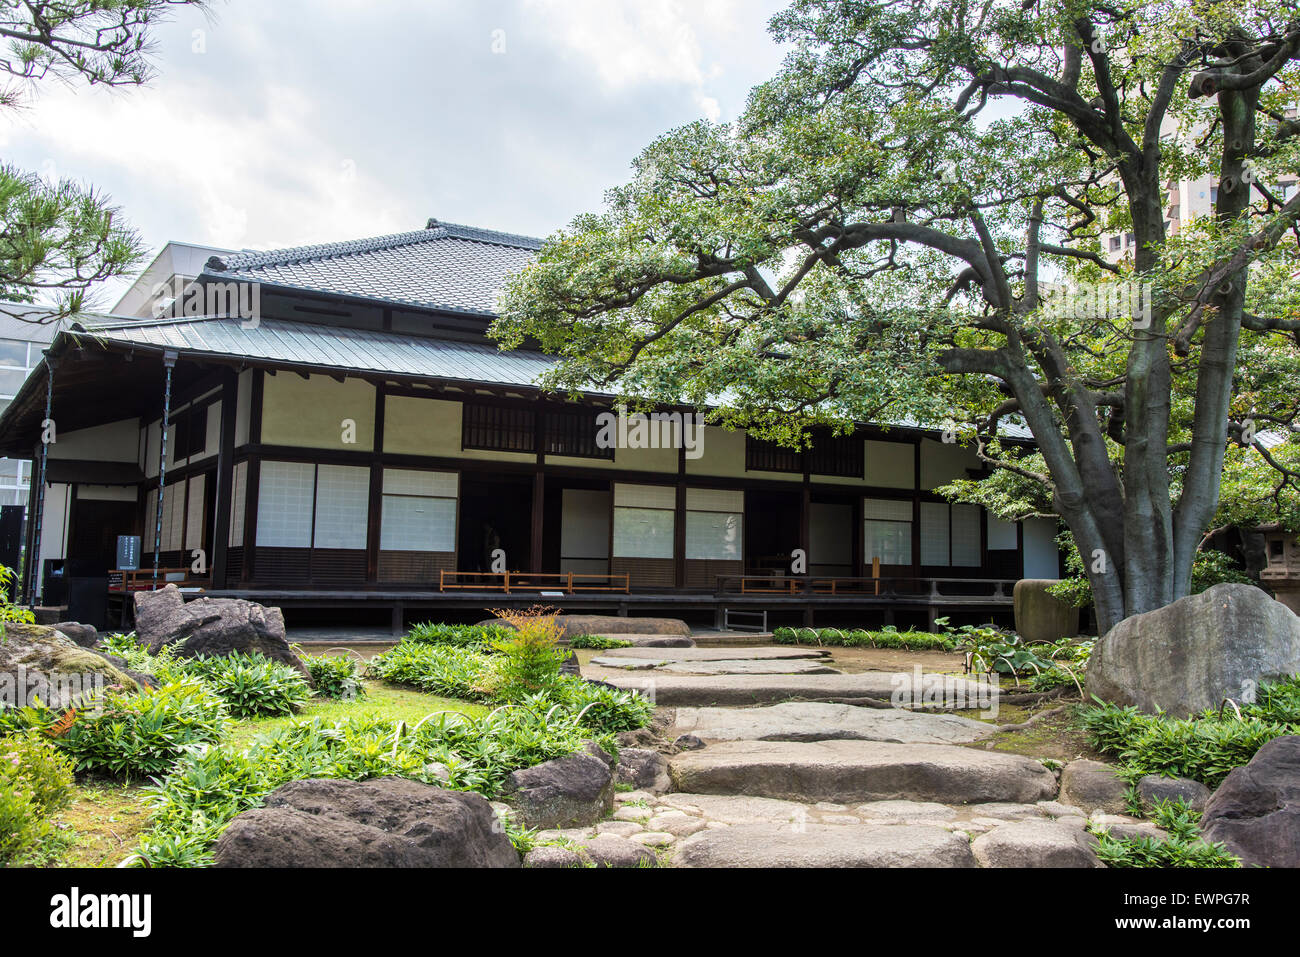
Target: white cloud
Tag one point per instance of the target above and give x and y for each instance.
(308, 121)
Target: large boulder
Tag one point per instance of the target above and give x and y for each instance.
(1194, 653)
(567, 792)
(1040, 615)
(211, 627)
(386, 822)
(38, 661)
(1256, 810)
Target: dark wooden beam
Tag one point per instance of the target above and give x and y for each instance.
(225, 476)
(375, 508)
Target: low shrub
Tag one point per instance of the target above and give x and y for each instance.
(335, 676)
(207, 789)
(1276, 701)
(526, 658)
(35, 783)
(134, 734)
(251, 686)
(469, 675)
(476, 637)
(860, 638)
(1183, 847)
(31, 763)
(1205, 747)
(445, 670)
(605, 709)
(597, 642)
(25, 832)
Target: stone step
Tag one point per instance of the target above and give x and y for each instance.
(699, 691)
(814, 721)
(767, 653)
(744, 666)
(857, 771)
(731, 639)
(823, 845)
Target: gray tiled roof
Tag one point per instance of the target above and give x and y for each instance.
(291, 343)
(444, 267)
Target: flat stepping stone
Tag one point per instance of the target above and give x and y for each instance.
(824, 845)
(720, 654)
(816, 721)
(741, 666)
(739, 808)
(848, 772)
(702, 690)
(747, 667)
(649, 641)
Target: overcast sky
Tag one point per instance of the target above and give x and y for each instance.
(286, 122)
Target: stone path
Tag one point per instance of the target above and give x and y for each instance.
(715, 654)
(702, 690)
(815, 721)
(740, 666)
(762, 776)
(855, 771)
(709, 830)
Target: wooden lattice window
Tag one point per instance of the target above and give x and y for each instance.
(836, 455)
(573, 432)
(499, 428)
(763, 456)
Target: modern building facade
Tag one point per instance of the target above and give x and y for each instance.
(358, 441)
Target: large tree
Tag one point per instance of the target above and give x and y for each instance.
(58, 239)
(886, 232)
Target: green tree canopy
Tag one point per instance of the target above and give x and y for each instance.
(906, 224)
(58, 239)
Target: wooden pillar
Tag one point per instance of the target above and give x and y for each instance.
(225, 477)
(254, 478)
(169, 364)
(805, 520)
(535, 559)
(858, 533)
(374, 513)
(916, 509)
(679, 521)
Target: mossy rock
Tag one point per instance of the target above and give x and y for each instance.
(39, 660)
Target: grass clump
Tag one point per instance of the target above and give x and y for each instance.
(1184, 846)
(861, 638)
(521, 665)
(1204, 747)
(337, 677)
(597, 642)
(132, 735)
(207, 789)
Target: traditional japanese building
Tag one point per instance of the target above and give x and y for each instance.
(329, 427)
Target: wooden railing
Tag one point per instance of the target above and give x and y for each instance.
(511, 582)
(931, 589)
(142, 579)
